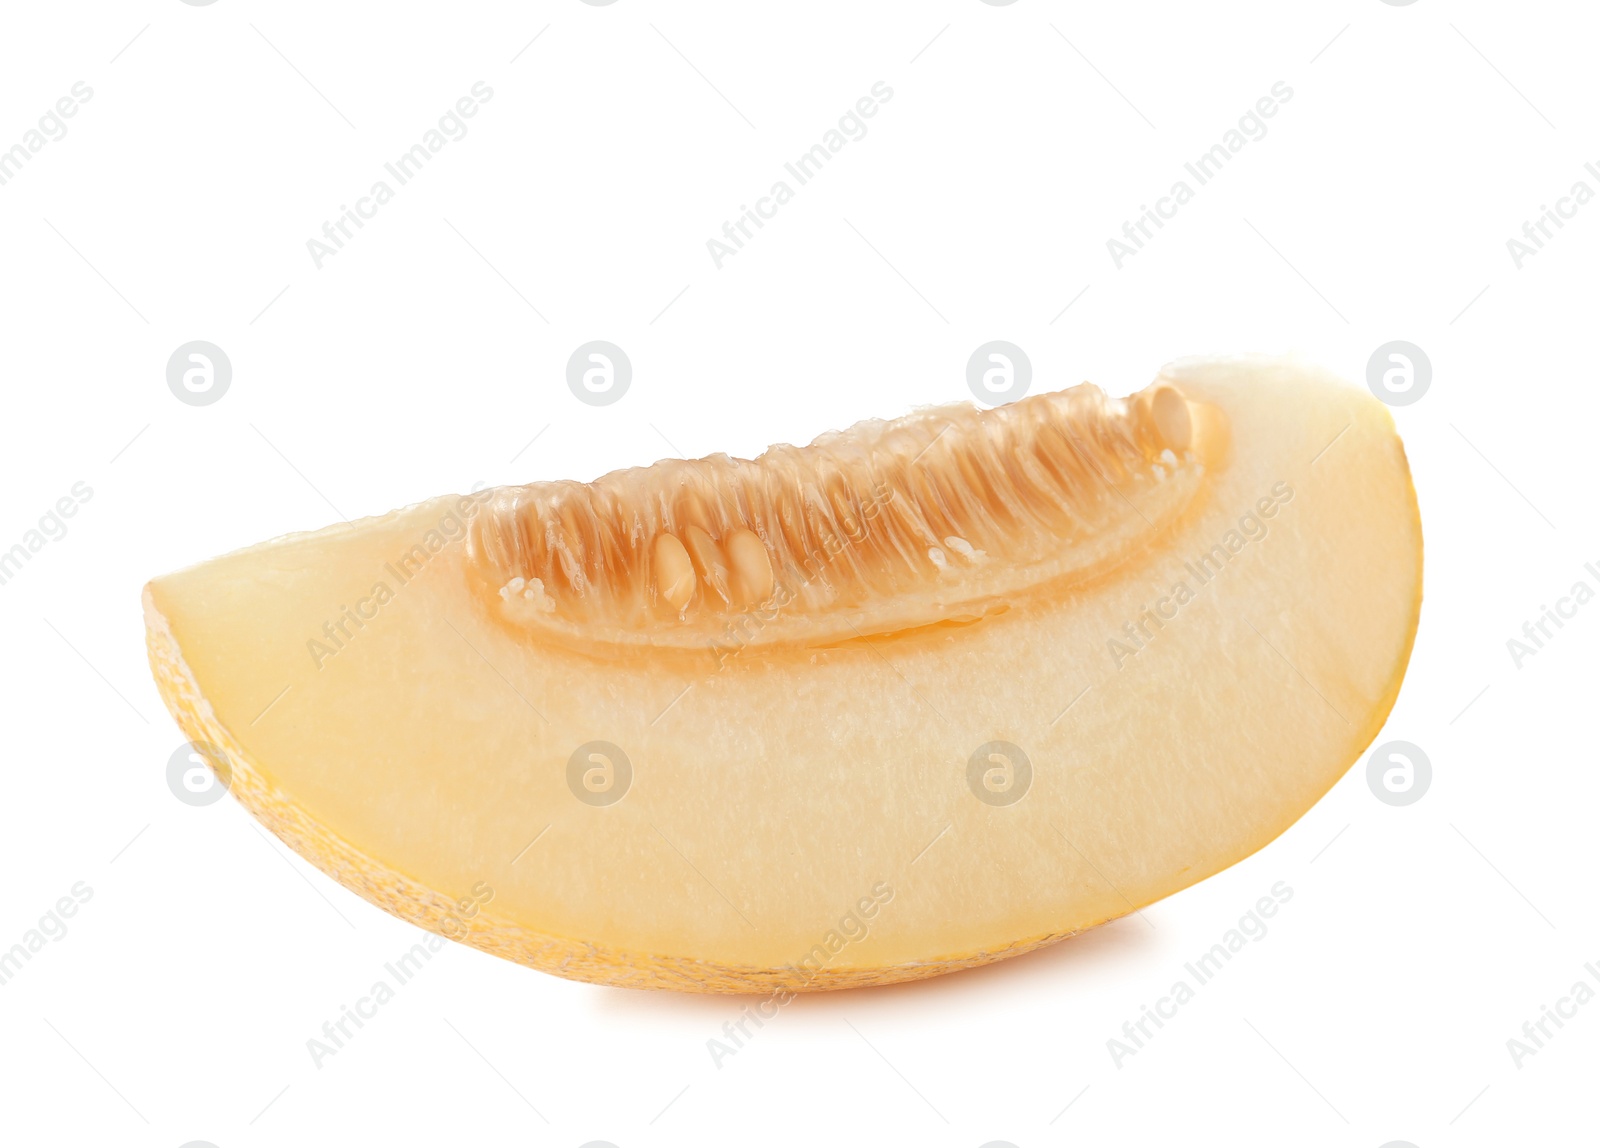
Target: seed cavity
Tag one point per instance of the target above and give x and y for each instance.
(950, 512)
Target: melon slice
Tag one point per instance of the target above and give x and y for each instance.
(922, 695)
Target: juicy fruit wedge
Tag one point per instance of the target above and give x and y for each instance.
(922, 695)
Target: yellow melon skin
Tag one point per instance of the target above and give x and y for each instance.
(800, 817)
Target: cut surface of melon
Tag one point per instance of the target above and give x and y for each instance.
(922, 695)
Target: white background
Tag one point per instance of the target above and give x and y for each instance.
(429, 352)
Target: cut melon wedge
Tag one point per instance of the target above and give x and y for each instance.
(920, 696)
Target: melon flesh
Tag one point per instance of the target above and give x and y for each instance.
(1191, 635)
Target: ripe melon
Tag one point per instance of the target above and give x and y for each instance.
(922, 695)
